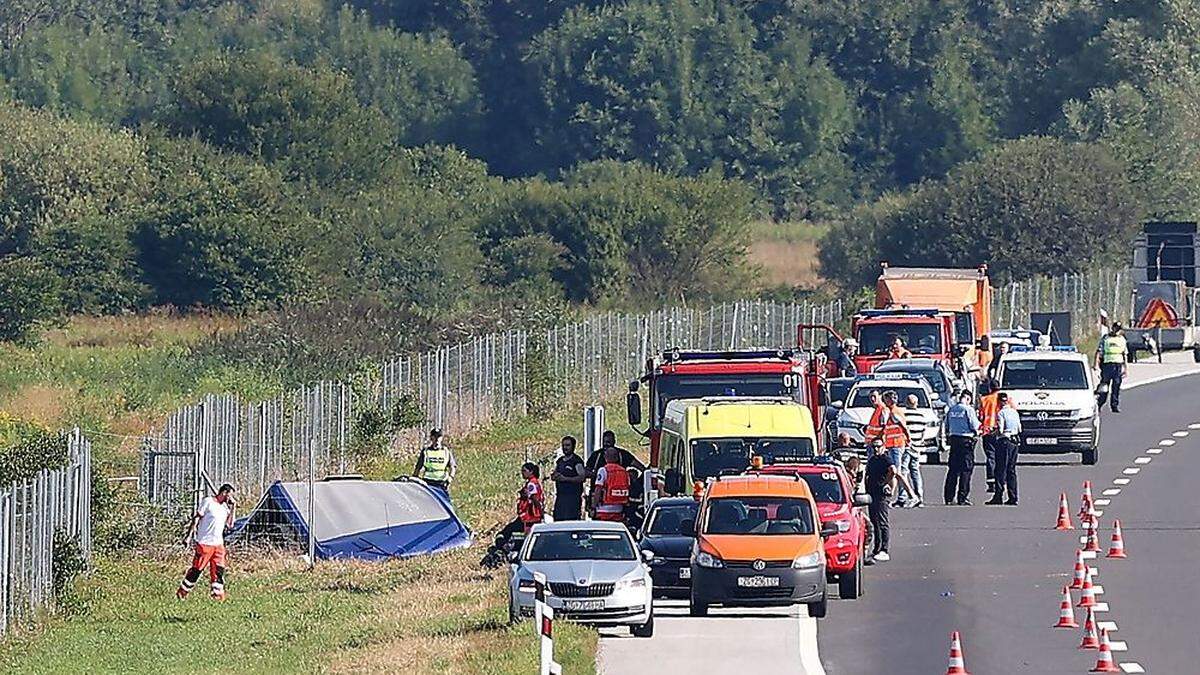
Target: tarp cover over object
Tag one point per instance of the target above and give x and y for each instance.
(365, 520)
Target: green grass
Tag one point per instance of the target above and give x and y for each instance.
(791, 232)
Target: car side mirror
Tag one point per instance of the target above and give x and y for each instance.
(935, 396)
(838, 405)
(514, 556)
(673, 481)
(647, 556)
(633, 405)
(828, 530)
(862, 500)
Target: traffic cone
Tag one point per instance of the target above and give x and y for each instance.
(1117, 548)
(1090, 641)
(1093, 541)
(1087, 596)
(1105, 664)
(1085, 501)
(1080, 570)
(957, 665)
(1066, 617)
(1064, 516)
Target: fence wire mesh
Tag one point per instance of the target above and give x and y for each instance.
(32, 513)
(504, 376)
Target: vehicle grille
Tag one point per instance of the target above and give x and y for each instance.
(565, 590)
(1032, 424)
(770, 592)
(771, 564)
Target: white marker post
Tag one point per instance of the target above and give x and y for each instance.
(539, 600)
(547, 665)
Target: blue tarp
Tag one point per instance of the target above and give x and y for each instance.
(365, 520)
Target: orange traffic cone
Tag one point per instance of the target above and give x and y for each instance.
(1117, 548)
(1090, 641)
(1086, 500)
(1105, 664)
(1066, 617)
(1080, 570)
(1087, 596)
(957, 665)
(1093, 541)
(1064, 516)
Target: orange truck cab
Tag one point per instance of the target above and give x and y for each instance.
(759, 542)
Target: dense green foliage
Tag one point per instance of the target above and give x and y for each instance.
(448, 158)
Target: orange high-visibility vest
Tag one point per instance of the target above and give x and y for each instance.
(989, 408)
(895, 431)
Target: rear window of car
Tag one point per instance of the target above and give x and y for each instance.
(826, 487)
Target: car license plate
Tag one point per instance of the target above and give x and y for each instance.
(1042, 441)
(583, 605)
(685, 573)
(757, 582)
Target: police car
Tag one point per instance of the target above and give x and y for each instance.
(1053, 388)
(924, 422)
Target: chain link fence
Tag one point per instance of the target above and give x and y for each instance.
(313, 431)
(33, 513)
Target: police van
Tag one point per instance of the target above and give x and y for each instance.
(1054, 390)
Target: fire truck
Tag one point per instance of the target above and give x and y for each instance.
(680, 374)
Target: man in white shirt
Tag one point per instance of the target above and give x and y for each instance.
(207, 531)
(1008, 423)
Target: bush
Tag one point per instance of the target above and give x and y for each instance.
(66, 562)
(26, 449)
(29, 298)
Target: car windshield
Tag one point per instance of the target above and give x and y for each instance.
(826, 487)
(1043, 374)
(671, 387)
(861, 396)
(676, 519)
(935, 378)
(717, 456)
(759, 515)
(919, 338)
(580, 545)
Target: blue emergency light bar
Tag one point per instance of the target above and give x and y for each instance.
(1012, 349)
(675, 355)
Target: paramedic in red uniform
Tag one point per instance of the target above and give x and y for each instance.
(611, 494)
(531, 500)
(208, 532)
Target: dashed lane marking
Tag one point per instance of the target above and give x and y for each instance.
(1118, 645)
(1131, 471)
(1167, 442)
(1100, 607)
(1112, 492)
(1194, 425)
(1110, 626)
(1103, 502)
(1120, 481)
(1180, 434)
(1099, 513)
(1132, 667)
(1088, 555)
(1154, 451)
(1142, 460)
(1097, 588)
(1083, 540)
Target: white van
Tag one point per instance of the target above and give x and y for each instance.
(1054, 389)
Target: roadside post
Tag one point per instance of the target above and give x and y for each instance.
(593, 429)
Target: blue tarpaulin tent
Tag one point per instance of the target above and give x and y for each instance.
(365, 520)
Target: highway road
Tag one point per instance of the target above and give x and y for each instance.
(994, 573)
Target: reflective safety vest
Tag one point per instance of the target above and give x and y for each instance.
(616, 485)
(989, 409)
(1113, 349)
(531, 507)
(437, 464)
(895, 432)
(875, 426)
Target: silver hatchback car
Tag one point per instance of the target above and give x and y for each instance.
(594, 573)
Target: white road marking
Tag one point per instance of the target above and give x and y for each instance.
(810, 658)
(1121, 481)
(1118, 645)
(1098, 513)
(1112, 492)
(1103, 502)
(1167, 442)
(1154, 451)
(1132, 667)
(1097, 588)
(1100, 607)
(1110, 626)
(1194, 425)
(1142, 460)
(1131, 471)
(1088, 555)
(1180, 434)
(1083, 540)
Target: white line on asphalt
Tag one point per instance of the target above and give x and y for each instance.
(1118, 645)
(1103, 502)
(1087, 555)
(1100, 607)
(1112, 492)
(810, 657)
(1097, 588)
(1194, 425)
(1098, 513)
(1156, 380)
(1131, 471)
(1110, 626)
(1121, 481)
(1167, 442)
(1154, 451)
(1083, 540)
(1180, 434)
(1142, 460)
(1132, 667)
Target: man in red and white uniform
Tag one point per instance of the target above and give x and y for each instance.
(611, 494)
(207, 531)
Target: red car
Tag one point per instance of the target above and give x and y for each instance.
(837, 503)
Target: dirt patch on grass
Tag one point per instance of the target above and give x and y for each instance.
(43, 404)
(158, 327)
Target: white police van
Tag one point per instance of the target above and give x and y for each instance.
(1054, 390)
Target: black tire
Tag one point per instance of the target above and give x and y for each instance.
(850, 583)
(645, 630)
(818, 609)
(697, 607)
(1090, 456)
(934, 457)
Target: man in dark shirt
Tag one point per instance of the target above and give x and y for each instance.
(569, 475)
(881, 476)
(609, 440)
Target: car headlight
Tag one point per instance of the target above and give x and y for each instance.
(804, 562)
(526, 586)
(637, 582)
(705, 559)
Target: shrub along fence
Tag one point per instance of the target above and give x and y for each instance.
(49, 512)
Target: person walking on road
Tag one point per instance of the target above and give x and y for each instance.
(962, 426)
(889, 426)
(881, 477)
(207, 534)
(436, 465)
(569, 474)
(910, 459)
(1112, 357)
(989, 406)
(1007, 446)
(611, 493)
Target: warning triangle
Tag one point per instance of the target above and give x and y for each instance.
(1158, 314)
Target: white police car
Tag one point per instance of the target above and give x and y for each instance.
(1054, 390)
(924, 421)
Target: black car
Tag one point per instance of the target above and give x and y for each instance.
(669, 532)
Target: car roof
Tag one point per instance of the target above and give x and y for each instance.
(896, 384)
(579, 526)
(751, 485)
(800, 467)
(908, 364)
(1044, 356)
(673, 501)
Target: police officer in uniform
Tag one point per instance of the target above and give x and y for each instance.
(962, 426)
(436, 463)
(1112, 356)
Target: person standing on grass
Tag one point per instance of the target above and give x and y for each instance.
(436, 463)
(569, 475)
(207, 531)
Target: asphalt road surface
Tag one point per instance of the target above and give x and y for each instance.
(994, 573)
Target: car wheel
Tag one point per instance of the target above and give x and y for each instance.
(697, 607)
(818, 609)
(850, 583)
(1090, 456)
(645, 630)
